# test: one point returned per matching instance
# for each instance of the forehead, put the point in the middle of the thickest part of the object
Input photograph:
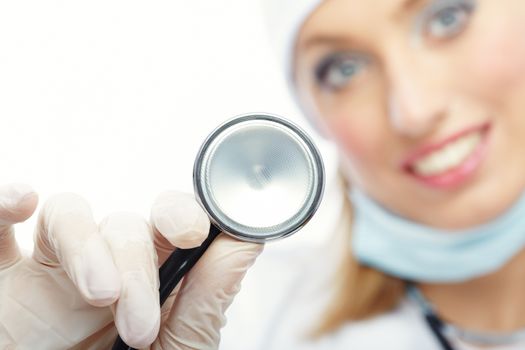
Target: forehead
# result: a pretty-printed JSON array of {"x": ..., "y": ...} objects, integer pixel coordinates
[{"x": 336, "y": 17}]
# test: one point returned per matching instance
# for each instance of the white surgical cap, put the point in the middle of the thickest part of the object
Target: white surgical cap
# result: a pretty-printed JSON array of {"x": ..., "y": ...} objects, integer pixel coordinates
[{"x": 284, "y": 20}]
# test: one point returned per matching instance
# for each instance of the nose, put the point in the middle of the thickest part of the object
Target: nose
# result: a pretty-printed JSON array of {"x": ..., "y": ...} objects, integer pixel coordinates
[{"x": 416, "y": 104}]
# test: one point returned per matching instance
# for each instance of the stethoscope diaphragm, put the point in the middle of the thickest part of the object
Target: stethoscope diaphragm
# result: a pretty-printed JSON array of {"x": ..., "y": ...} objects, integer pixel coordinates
[{"x": 259, "y": 177}]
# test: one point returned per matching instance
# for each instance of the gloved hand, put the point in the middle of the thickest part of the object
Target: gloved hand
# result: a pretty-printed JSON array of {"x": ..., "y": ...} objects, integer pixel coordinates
[{"x": 84, "y": 278}]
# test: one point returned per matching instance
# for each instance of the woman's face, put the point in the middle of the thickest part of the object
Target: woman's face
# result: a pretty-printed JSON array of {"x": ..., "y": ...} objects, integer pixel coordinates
[{"x": 425, "y": 99}]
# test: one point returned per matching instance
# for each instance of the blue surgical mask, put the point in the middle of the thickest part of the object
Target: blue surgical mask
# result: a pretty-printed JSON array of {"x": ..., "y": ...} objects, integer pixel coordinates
[{"x": 413, "y": 251}]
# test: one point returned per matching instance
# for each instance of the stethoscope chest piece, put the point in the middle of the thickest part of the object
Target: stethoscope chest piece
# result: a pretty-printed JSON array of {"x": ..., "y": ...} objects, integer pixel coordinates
[{"x": 259, "y": 177}]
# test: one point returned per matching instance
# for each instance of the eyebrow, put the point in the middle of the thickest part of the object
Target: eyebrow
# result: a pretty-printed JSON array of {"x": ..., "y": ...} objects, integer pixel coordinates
[
  {"x": 406, "y": 6},
  {"x": 324, "y": 39},
  {"x": 408, "y": 3}
]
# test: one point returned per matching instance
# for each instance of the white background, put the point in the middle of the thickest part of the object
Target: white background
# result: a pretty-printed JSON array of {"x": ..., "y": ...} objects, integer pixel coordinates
[{"x": 111, "y": 99}]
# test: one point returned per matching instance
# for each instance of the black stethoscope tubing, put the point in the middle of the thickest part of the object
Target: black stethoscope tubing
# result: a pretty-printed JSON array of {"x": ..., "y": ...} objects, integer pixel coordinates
[{"x": 436, "y": 326}]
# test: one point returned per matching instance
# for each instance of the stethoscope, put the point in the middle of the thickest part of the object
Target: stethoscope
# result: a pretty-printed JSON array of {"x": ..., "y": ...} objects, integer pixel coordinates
[
  {"x": 439, "y": 328},
  {"x": 259, "y": 177},
  {"x": 436, "y": 325},
  {"x": 432, "y": 320}
]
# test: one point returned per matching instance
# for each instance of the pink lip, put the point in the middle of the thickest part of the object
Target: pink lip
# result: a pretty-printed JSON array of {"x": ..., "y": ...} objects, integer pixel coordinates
[{"x": 457, "y": 175}]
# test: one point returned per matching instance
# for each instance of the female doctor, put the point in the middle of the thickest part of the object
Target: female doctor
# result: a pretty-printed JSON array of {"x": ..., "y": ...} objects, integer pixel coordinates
[{"x": 424, "y": 100}]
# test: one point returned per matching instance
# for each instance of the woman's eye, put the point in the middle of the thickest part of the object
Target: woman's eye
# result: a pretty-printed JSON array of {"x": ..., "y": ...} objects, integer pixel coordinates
[
  {"x": 448, "y": 20},
  {"x": 337, "y": 71}
]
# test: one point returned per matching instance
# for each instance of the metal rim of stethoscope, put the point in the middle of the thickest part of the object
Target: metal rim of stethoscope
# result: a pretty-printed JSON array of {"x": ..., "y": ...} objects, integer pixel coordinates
[{"x": 313, "y": 153}]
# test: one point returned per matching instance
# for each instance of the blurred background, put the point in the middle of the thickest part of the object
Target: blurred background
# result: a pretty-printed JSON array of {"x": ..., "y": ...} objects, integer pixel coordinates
[{"x": 112, "y": 99}]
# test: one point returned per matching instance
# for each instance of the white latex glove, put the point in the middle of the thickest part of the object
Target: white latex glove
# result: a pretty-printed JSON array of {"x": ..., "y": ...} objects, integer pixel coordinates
[{"x": 84, "y": 278}]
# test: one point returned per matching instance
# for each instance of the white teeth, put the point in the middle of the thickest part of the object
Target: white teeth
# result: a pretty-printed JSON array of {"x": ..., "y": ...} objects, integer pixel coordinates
[{"x": 448, "y": 157}]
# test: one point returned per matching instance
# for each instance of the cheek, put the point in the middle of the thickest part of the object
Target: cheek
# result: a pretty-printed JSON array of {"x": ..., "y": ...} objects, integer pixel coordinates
[
  {"x": 498, "y": 56},
  {"x": 361, "y": 142}
]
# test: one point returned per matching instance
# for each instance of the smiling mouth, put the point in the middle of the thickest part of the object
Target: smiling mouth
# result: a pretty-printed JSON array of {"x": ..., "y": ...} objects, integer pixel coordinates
[{"x": 452, "y": 161}]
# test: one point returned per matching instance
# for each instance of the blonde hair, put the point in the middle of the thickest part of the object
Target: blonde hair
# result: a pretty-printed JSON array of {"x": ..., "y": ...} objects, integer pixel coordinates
[{"x": 359, "y": 292}]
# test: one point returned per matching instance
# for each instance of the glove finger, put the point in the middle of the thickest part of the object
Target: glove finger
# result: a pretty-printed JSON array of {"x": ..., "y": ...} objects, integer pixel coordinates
[
  {"x": 208, "y": 289},
  {"x": 67, "y": 236},
  {"x": 168, "y": 303},
  {"x": 177, "y": 221},
  {"x": 17, "y": 203},
  {"x": 137, "y": 312}
]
